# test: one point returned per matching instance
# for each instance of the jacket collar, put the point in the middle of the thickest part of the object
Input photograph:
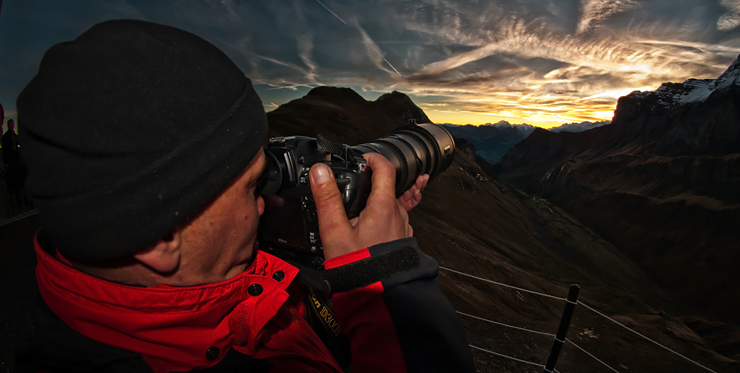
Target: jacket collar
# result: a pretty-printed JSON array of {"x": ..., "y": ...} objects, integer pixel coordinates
[{"x": 172, "y": 327}]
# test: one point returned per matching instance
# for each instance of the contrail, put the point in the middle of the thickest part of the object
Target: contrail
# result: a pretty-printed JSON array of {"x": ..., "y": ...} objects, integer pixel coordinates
[
  {"x": 327, "y": 8},
  {"x": 340, "y": 18},
  {"x": 394, "y": 69}
]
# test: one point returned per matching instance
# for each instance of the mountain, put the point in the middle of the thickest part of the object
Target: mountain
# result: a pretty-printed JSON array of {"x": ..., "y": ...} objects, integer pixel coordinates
[
  {"x": 471, "y": 222},
  {"x": 492, "y": 141},
  {"x": 340, "y": 114},
  {"x": 662, "y": 183},
  {"x": 578, "y": 127}
]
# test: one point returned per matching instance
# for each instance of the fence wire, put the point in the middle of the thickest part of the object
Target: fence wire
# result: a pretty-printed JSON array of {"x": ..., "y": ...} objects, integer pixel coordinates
[{"x": 553, "y": 335}]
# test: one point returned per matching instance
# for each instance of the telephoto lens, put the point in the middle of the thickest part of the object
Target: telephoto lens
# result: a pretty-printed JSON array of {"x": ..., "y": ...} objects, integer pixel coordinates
[{"x": 414, "y": 150}]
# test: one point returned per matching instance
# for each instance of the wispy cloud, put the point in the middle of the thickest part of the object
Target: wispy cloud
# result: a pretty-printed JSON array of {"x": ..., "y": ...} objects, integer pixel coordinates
[
  {"x": 373, "y": 51},
  {"x": 731, "y": 19},
  {"x": 304, "y": 44},
  {"x": 595, "y": 11},
  {"x": 465, "y": 61}
]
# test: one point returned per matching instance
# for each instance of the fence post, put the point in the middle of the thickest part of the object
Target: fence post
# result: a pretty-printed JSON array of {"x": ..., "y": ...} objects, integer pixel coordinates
[{"x": 570, "y": 305}]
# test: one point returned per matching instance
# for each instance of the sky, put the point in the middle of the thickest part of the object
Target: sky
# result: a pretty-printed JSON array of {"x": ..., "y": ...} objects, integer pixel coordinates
[{"x": 540, "y": 62}]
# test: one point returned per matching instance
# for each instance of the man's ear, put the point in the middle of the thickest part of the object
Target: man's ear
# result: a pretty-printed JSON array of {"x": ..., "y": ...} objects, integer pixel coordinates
[{"x": 164, "y": 256}]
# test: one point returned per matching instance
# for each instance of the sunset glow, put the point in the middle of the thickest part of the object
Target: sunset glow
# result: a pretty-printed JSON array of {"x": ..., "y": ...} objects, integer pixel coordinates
[{"x": 541, "y": 63}]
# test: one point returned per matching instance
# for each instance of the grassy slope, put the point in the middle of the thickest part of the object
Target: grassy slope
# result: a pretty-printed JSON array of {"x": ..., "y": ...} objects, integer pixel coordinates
[{"x": 474, "y": 224}]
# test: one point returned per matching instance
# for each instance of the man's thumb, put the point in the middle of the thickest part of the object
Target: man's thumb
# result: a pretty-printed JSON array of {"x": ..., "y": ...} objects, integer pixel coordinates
[{"x": 328, "y": 201}]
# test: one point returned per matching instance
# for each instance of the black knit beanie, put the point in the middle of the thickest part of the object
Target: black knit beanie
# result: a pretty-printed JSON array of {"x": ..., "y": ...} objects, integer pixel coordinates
[{"x": 130, "y": 130}]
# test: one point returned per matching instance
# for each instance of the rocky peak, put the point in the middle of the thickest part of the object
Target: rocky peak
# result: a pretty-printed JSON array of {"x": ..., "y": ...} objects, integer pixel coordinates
[
  {"x": 696, "y": 117},
  {"x": 402, "y": 105},
  {"x": 335, "y": 94},
  {"x": 395, "y": 95},
  {"x": 691, "y": 91}
]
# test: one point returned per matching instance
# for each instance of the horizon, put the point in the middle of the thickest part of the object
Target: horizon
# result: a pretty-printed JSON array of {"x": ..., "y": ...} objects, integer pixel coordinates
[{"x": 520, "y": 61}]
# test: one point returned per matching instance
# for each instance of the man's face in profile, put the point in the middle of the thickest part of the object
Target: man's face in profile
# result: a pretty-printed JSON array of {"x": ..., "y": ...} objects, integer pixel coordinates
[{"x": 219, "y": 241}]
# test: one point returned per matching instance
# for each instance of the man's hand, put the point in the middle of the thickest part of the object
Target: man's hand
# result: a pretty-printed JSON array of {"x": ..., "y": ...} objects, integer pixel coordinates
[
  {"x": 382, "y": 220},
  {"x": 412, "y": 197}
]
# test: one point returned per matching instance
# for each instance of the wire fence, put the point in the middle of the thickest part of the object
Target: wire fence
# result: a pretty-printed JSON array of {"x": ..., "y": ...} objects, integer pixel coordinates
[{"x": 551, "y": 335}]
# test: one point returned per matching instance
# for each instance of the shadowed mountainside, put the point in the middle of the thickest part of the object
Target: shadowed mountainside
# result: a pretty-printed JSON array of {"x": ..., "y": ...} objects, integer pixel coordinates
[
  {"x": 472, "y": 223},
  {"x": 340, "y": 114},
  {"x": 662, "y": 183},
  {"x": 491, "y": 141}
]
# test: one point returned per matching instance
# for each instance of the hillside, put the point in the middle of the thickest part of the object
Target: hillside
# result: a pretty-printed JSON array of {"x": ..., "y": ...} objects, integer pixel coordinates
[
  {"x": 661, "y": 183},
  {"x": 492, "y": 141},
  {"x": 472, "y": 223}
]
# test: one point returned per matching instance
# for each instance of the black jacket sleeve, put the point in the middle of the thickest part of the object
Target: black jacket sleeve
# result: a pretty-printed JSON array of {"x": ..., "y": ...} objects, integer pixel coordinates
[{"x": 390, "y": 305}]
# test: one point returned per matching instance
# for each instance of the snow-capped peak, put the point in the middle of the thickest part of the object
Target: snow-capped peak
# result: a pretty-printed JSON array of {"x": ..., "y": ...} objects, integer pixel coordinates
[
  {"x": 699, "y": 90},
  {"x": 694, "y": 90}
]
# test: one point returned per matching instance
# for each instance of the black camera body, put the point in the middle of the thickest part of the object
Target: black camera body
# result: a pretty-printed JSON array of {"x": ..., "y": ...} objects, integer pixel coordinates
[
  {"x": 290, "y": 219},
  {"x": 289, "y": 223}
]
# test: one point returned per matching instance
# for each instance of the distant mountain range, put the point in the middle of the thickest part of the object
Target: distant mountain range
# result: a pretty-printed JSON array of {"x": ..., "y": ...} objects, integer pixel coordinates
[
  {"x": 492, "y": 141},
  {"x": 473, "y": 222},
  {"x": 578, "y": 127}
]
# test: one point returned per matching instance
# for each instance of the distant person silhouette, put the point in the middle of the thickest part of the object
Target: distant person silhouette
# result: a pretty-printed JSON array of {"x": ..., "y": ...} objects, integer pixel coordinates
[
  {"x": 15, "y": 172},
  {"x": 10, "y": 145},
  {"x": 15, "y": 169}
]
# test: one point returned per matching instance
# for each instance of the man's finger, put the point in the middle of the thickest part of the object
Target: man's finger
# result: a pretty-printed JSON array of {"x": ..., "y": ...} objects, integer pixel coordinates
[
  {"x": 329, "y": 207},
  {"x": 384, "y": 175}
]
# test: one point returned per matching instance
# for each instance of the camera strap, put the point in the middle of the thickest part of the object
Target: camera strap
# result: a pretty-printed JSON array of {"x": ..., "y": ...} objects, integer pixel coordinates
[
  {"x": 343, "y": 151},
  {"x": 320, "y": 315}
]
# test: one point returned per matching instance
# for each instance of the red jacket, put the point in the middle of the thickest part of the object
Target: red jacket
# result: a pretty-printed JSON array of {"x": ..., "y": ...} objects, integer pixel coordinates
[{"x": 386, "y": 298}]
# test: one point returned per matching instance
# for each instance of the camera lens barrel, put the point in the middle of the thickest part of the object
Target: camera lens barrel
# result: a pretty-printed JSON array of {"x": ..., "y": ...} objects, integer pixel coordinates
[{"x": 414, "y": 150}]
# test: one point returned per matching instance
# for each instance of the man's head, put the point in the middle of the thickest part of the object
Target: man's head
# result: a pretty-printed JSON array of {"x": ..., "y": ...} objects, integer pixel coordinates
[
  {"x": 11, "y": 125},
  {"x": 106, "y": 188}
]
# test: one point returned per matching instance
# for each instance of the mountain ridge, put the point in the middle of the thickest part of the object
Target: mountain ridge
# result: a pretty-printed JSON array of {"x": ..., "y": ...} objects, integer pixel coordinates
[
  {"x": 660, "y": 182},
  {"x": 492, "y": 141}
]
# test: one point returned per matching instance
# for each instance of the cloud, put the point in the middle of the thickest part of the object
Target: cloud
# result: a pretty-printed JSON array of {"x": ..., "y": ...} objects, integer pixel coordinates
[
  {"x": 304, "y": 44},
  {"x": 373, "y": 51},
  {"x": 537, "y": 59},
  {"x": 731, "y": 19},
  {"x": 586, "y": 63},
  {"x": 279, "y": 80},
  {"x": 595, "y": 11}
]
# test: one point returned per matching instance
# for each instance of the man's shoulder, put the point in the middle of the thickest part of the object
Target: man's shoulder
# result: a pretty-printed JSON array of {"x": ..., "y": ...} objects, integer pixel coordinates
[{"x": 55, "y": 347}]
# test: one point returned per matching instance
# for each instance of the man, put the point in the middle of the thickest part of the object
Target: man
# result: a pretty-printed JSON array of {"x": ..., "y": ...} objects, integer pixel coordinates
[
  {"x": 14, "y": 169},
  {"x": 10, "y": 145},
  {"x": 146, "y": 256}
]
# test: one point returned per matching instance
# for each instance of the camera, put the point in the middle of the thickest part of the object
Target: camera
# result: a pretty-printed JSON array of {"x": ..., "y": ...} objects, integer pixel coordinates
[{"x": 289, "y": 224}]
